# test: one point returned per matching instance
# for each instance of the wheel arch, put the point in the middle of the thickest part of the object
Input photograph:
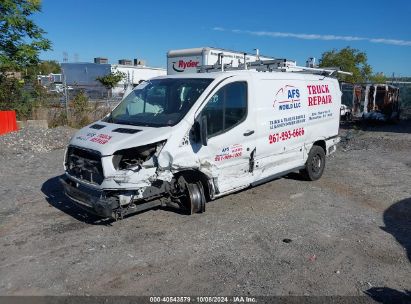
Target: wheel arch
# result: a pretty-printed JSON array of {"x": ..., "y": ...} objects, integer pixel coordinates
[
  {"x": 321, "y": 143},
  {"x": 193, "y": 176}
]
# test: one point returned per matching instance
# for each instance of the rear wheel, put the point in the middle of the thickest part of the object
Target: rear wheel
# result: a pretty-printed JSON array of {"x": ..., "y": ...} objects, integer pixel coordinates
[{"x": 315, "y": 164}]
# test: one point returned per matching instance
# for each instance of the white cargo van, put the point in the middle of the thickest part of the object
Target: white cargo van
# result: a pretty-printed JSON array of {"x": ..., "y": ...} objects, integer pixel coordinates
[
  {"x": 189, "y": 60},
  {"x": 189, "y": 138}
]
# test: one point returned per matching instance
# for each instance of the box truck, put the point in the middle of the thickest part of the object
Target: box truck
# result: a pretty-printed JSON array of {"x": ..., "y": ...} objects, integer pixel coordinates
[
  {"x": 189, "y": 138},
  {"x": 189, "y": 60}
]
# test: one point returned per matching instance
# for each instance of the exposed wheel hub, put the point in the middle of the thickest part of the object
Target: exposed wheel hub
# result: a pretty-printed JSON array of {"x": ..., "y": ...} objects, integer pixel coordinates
[
  {"x": 316, "y": 163},
  {"x": 196, "y": 198}
]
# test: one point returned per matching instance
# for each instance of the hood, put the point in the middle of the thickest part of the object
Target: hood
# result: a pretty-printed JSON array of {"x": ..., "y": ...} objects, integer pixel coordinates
[{"x": 108, "y": 138}]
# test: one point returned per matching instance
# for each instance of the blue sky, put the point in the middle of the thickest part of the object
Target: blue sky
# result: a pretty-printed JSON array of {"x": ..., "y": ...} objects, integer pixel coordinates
[{"x": 283, "y": 29}]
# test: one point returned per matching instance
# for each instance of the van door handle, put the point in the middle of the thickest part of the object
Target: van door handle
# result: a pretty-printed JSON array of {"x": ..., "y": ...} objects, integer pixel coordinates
[{"x": 248, "y": 133}]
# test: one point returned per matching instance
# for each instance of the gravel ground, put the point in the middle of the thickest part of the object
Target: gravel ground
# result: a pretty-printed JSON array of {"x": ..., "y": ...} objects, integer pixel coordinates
[
  {"x": 29, "y": 141},
  {"x": 348, "y": 233}
]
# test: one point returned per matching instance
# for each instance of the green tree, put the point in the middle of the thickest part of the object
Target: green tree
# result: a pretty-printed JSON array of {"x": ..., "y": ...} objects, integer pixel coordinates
[
  {"x": 80, "y": 102},
  {"x": 109, "y": 81},
  {"x": 378, "y": 78},
  {"x": 42, "y": 68},
  {"x": 80, "y": 107},
  {"x": 21, "y": 40},
  {"x": 49, "y": 66},
  {"x": 10, "y": 91},
  {"x": 349, "y": 60}
]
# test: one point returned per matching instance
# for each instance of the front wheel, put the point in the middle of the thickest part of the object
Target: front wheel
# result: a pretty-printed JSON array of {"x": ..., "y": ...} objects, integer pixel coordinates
[
  {"x": 315, "y": 164},
  {"x": 195, "y": 200}
]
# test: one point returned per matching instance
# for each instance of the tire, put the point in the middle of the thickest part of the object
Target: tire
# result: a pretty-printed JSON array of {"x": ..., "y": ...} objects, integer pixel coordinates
[{"x": 315, "y": 164}]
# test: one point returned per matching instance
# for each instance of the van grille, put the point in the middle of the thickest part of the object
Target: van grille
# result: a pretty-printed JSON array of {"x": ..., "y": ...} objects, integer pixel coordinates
[{"x": 84, "y": 165}]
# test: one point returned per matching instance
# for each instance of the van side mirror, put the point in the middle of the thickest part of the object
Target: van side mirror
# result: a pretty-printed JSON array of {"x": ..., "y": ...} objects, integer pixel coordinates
[
  {"x": 200, "y": 130},
  {"x": 203, "y": 129}
]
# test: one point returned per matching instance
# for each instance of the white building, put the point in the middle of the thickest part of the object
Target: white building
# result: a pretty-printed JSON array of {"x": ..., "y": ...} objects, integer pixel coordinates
[{"x": 82, "y": 76}]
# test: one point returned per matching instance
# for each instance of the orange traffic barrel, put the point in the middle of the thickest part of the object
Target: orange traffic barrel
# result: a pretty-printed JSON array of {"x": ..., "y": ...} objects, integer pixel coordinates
[{"x": 8, "y": 122}]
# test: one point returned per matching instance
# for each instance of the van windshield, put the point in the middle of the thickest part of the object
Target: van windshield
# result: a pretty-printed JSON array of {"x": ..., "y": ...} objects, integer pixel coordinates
[{"x": 159, "y": 102}]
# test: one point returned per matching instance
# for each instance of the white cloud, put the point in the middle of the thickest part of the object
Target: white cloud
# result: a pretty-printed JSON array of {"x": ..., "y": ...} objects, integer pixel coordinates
[{"x": 316, "y": 36}]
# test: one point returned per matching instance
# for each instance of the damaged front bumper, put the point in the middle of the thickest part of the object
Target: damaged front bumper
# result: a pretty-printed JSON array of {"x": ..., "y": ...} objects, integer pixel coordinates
[
  {"x": 91, "y": 200},
  {"x": 100, "y": 203}
]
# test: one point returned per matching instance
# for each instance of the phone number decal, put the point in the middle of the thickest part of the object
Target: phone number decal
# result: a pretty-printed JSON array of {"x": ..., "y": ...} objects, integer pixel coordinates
[
  {"x": 230, "y": 152},
  {"x": 286, "y": 135}
]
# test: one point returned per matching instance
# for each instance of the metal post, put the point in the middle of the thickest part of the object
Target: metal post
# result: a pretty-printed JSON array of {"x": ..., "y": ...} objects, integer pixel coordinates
[
  {"x": 257, "y": 54},
  {"x": 65, "y": 95}
]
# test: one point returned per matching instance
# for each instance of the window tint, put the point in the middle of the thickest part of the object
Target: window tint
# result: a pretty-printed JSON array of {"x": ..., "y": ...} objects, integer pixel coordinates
[
  {"x": 226, "y": 108},
  {"x": 235, "y": 104}
]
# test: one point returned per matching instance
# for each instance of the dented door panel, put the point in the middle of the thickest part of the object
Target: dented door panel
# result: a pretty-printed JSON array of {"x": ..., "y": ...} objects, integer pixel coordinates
[{"x": 231, "y": 144}]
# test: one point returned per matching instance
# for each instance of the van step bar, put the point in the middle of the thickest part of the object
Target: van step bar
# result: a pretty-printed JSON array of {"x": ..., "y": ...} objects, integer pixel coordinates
[{"x": 274, "y": 176}]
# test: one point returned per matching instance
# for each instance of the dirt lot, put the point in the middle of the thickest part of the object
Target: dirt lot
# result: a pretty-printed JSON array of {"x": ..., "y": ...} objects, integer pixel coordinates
[{"x": 347, "y": 234}]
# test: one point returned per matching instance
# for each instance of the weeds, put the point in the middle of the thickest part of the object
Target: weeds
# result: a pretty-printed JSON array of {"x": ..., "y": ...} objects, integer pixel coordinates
[{"x": 79, "y": 108}]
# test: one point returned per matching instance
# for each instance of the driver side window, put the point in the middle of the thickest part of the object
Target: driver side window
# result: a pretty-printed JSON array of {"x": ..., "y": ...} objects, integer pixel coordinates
[{"x": 226, "y": 108}]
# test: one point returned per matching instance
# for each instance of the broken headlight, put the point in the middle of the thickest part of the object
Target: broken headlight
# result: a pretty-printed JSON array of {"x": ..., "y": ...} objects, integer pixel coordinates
[{"x": 136, "y": 156}]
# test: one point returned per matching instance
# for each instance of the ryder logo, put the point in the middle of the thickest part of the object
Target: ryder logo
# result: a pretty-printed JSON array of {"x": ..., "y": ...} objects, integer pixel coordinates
[
  {"x": 288, "y": 97},
  {"x": 181, "y": 65}
]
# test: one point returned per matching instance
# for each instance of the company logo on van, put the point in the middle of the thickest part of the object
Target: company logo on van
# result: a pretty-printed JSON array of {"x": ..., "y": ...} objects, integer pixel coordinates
[
  {"x": 230, "y": 152},
  {"x": 319, "y": 95},
  {"x": 182, "y": 65},
  {"x": 86, "y": 137},
  {"x": 288, "y": 97},
  {"x": 101, "y": 139}
]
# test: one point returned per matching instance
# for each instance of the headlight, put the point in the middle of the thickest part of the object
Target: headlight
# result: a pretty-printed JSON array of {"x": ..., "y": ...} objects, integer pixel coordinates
[{"x": 134, "y": 157}]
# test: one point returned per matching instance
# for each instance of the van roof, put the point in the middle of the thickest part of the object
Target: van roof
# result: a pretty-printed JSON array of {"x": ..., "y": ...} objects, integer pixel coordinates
[{"x": 224, "y": 74}]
